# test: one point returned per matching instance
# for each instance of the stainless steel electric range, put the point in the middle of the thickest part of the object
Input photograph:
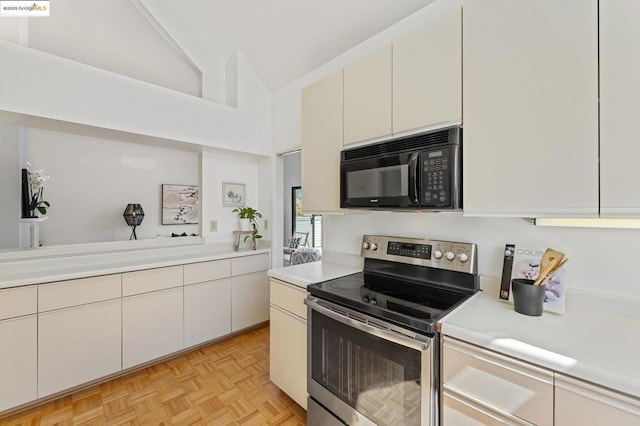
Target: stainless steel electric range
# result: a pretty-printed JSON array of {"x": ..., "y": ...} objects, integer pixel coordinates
[{"x": 373, "y": 349}]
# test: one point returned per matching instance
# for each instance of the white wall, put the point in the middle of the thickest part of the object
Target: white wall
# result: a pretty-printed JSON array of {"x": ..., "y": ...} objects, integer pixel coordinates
[
  {"x": 10, "y": 184},
  {"x": 113, "y": 36},
  {"x": 219, "y": 167},
  {"x": 601, "y": 260},
  {"x": 92, "y": 181}
]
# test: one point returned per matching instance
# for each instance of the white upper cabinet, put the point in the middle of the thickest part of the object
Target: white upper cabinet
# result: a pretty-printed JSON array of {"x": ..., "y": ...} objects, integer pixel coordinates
[
  {"x": 427, "y": 75},
  {"x": 530, "y": 108},
  {"x": 367, "y": 97},
  {"x": 619, "y": 108},
  {"x": 321, "y": 144}
]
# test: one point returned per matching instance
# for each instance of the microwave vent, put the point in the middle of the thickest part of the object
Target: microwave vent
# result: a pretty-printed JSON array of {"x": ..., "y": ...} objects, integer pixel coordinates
[{"x": 411, "y": 143}]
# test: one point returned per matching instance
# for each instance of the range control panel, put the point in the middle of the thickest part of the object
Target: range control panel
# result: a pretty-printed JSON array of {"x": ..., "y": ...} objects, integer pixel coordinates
[{"x": 448, "y": 255}]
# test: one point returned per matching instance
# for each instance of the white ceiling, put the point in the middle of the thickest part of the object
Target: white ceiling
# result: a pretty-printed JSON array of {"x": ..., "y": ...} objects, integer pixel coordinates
[{"x": 285, "y": 39}]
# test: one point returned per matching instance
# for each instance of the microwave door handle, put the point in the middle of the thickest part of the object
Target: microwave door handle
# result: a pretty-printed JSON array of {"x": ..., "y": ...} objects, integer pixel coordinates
[{"x": 413, "y": 178}]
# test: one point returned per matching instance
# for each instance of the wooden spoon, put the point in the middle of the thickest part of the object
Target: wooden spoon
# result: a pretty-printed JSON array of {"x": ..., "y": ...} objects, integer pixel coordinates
[
  {"x": 552, "y": 272},
  {"x": 550, "y": 259}
]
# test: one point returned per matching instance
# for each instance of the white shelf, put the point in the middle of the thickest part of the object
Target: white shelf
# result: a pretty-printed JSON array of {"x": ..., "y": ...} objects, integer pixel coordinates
[{"x": 33, "y": 219}]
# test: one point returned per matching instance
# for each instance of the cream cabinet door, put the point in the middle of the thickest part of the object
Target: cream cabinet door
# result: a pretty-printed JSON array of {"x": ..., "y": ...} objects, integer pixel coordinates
[
  {"x": 427, "y": 75},
  {"x": 249, "y": 300},
  {"x": 498, "y": 383},
  {"x": 581, "y": 403},
  {"x": 530, "y": 108},
  {"x": 288, "y": 354},
  {"x": 207, "y": 311},
  {"x": 77, "y": 345},
  {"x": 367, "y": 97},
  {"x": 18, "y": 361},
  {"x": 152, "y": 326},
  {"x": 322, "y": 118},
  {"x": 619, "y": 108}
]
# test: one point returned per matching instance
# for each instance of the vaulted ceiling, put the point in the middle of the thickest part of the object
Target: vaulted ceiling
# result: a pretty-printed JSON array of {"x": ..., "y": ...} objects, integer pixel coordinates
[{"x": 285, "y": 39}]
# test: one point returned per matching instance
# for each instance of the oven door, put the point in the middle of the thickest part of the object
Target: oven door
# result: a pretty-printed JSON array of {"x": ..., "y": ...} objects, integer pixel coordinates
[
  {"x": 386, "y": 181},
  {"x": 365, "y": 371}
]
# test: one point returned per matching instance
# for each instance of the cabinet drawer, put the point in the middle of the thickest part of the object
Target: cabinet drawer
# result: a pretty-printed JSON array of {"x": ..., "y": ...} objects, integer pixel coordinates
[
  {"x": 289, "y": 297},
  {"x": 151, "y": 280},
  {"x": 64, "y": 294},
  {"x": 459, "y": 411},
  {"x": 249, "y": 264},
  {"x": 206, "y": 271},
  {"x": 19, "y": 301},
  {"x": 498, "y": 382},
  {"x": 581, "y": 403}
]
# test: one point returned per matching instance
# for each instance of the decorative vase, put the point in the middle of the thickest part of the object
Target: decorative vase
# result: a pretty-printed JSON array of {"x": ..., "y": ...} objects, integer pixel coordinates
[{"x": 245, "y": 224}]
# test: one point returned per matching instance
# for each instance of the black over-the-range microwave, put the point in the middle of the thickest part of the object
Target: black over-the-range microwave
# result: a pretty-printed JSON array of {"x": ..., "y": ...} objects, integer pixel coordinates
[{"x": 421, "y": 171}]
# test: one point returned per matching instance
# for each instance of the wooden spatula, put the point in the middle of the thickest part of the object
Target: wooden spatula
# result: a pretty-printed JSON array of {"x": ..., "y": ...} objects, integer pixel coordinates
[
  {"x": 552, "y": 272},
  {"x": 550, "y": 259}
]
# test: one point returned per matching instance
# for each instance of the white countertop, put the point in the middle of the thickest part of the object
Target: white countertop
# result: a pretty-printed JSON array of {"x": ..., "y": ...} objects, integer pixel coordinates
[
  {"x": 27, "y": 272},
  {"x": 308, "y": 273},
  {"x": 587, "y": 343}
]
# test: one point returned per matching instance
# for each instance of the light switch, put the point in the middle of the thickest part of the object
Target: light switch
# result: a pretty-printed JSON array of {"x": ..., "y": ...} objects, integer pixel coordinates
[
  {"x": 213, "y": 226},
  {"x": 266, "y": 224}
]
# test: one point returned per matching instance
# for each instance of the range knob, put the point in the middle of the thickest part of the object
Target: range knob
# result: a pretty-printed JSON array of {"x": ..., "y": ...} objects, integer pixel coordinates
[
  {"x": 373, "y": 301},
  {"x": 463, "y": 257},
  {"x": 450, "y": 255},
  {"x": 373, "y": 246},
  {"x": 437, "y": 254},
  {"x": 365, "y": 299},
  {"x": 365, "y": 245}
]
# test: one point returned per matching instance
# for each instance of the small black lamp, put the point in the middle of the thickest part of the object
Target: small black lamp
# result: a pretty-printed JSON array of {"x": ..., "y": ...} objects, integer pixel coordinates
[{"x": 133, "y": 215}]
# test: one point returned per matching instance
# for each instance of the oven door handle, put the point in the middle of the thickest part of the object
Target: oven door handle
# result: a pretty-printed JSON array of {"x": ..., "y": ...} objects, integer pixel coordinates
[{"x": 368, "y": 328}]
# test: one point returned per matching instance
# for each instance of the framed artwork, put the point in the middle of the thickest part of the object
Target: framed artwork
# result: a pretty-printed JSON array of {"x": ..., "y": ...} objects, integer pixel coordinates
[
  {"x": 180, "y": 204},
  {"x": 233, "y": 194}
]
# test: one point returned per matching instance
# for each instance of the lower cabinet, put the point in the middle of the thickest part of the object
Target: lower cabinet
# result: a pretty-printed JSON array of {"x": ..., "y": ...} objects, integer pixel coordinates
[
  {"x": 249, "y": 300},
  {"x": 152, "y": 326},
  {"x": 483, "y": 387},
  {"x": 498, "y": 386},
  {"x": 18, "y": 361},
  {"x": 77, "y": 345},
  {"x": 288, "y": 340},
  {"x": 581, "y": 403},
  {"x": 207, "y": 311}
]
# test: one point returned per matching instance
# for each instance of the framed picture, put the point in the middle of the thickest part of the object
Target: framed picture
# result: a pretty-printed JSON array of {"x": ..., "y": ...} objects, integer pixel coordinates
[
  {"x": 233, "y": 194},
  {"x": 180, "y": 204}
]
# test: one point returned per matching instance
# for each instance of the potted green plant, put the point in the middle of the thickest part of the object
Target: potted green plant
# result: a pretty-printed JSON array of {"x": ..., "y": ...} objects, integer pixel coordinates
[{"x": 249, "y": 215}]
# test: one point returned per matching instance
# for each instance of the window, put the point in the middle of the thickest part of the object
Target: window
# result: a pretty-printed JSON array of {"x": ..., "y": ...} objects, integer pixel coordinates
[{"x": 310, "y": 223}]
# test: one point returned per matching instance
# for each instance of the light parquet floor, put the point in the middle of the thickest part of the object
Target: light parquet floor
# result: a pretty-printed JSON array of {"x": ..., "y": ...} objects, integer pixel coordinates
[{"x": 224, "y": 383}]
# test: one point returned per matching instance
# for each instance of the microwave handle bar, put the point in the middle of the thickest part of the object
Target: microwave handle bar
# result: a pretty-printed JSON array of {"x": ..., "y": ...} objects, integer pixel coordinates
[{"x": 413, "y": 178}]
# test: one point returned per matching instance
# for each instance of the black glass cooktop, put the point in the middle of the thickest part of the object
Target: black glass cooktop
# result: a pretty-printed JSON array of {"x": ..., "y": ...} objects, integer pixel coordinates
[{"x": 415, "y": 298}]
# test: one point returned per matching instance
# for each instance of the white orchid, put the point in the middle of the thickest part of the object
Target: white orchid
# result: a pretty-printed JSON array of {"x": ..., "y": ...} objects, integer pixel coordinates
[{"x": 37, "y": 179}]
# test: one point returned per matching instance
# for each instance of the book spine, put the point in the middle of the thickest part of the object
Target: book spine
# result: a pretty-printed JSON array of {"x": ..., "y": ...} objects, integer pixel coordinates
[{"x": 507, "y": 266}]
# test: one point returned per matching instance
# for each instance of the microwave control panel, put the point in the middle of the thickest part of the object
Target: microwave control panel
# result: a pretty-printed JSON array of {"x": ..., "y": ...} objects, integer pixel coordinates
[{"x": 438, "y": 166}]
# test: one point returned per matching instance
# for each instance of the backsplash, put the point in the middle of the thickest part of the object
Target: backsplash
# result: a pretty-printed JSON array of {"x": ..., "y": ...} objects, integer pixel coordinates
[{"x": 602, "y": 260}]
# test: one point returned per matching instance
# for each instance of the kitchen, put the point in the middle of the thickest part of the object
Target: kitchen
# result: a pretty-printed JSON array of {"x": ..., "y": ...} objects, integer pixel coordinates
[{"x": 589, "y": 249}]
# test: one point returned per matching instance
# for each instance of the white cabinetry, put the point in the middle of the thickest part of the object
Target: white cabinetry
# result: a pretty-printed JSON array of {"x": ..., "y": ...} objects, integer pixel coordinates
[
  {"x": 322, "y": 118},
  {"x": 249, "y": 291},
  {"x": 480, "y": 384},
  {"x": 427, "y": 75},
  {"x": 207, "y": 301},
  {"x": 79, "y": 332},
  {"x": 530, "y": 107},
  {"x": 77, "y": 345},
  {"x": 152, "y": 315},
  {"x": 619, "y": 108},
  {"x": 288, "y": 340},
  {"x": 367, "y": 97},
  {"x": 581, "y": 403},
  {"x": 19, "y": 339}
]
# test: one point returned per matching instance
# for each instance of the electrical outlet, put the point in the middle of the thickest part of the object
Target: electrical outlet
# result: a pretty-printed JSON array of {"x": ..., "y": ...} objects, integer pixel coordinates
[
  {"x": 213, "y": 226},
  {"x": 266, "y": 224}
]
